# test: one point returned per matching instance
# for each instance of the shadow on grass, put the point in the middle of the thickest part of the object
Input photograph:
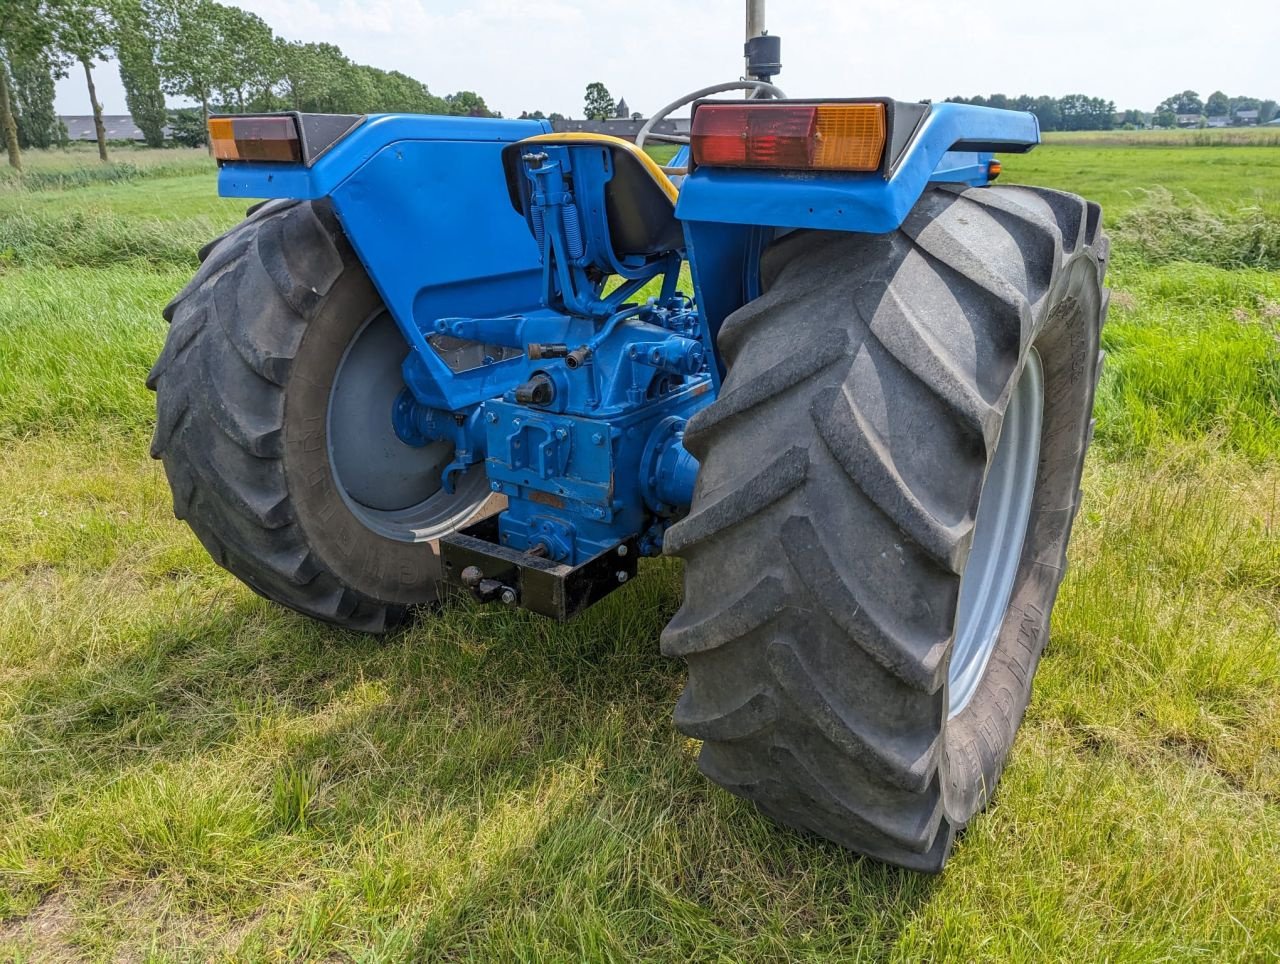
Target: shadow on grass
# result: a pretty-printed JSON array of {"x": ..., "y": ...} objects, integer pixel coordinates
[{"x": 482, "y": 776}]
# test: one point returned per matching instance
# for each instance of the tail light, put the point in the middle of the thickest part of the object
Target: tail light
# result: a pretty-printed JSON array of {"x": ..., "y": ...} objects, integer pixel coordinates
[
  {"x": 796, "y": 137},
  {"x": 256, "y": 138}
]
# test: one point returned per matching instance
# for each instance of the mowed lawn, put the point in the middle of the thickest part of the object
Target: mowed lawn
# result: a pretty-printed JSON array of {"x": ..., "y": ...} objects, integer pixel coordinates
[{"x": 188, "y": 772}]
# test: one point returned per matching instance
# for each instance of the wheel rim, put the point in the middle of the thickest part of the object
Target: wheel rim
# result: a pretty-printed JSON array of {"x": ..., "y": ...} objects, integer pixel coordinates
[
  {"x": 998, "y": 535},
  {"x": 392, "y": 488}
]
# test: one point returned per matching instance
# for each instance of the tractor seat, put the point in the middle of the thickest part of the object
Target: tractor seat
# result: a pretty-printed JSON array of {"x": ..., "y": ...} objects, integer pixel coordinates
[{"x": 639, "y": 199}]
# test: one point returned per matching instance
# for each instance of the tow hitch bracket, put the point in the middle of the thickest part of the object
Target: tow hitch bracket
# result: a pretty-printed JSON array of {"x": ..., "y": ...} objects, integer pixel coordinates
[{"x": 475, "y": 561}]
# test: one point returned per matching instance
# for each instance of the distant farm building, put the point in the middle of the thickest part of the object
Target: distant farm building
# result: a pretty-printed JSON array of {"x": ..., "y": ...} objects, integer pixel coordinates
[
  {"x": 1247, "y": 118},
  {"x": 120, "y": 127}
]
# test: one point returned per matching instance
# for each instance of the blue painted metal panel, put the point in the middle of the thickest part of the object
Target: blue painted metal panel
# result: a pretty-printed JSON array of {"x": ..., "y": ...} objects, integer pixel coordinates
[
  {"x": 257, "y": 180},
  {"x": 434, "y": 227},
  {"x": 423, "y": 201},
  {"x": 855, "y": 202}
]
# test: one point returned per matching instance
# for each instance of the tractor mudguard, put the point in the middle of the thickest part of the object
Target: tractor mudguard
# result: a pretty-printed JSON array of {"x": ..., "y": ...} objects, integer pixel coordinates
[
  {"x": 731, "y": 215},
  {"x": 940, "y": 143},
  {"x": 421, "y": 200}
]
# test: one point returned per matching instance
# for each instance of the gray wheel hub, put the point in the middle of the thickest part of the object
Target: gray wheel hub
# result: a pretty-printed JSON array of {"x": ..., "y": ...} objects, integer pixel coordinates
[
  {"x": 393, "y": 488},
  {"x": 999, "y": 532}
]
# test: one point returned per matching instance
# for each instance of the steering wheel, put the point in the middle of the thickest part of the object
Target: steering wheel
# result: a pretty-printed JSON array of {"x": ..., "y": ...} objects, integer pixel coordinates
[{"x": 759, "y": 88}]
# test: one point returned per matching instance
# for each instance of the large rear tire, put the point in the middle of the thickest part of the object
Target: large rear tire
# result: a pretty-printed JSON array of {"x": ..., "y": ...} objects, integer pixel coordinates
[
  {"x": 274, "y": 395},
  {"x": 860, "y": 637}
]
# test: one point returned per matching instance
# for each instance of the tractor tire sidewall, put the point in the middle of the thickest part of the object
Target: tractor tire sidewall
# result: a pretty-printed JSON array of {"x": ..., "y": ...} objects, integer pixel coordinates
[
  {"x": 243, "y": 388},
  {"x": 978, "y": 738},
  {"x": 390, "y": 570},
  {"x": 842, "y": 470}
]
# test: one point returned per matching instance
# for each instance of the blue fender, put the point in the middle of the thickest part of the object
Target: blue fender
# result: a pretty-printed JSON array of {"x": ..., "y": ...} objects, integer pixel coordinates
[
  {"x": 871, "y": 203},
  {"x": 423, "y": 201}
]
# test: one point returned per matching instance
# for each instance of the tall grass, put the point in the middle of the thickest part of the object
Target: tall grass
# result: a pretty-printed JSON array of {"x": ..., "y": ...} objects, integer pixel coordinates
[
  {"x": 1193, "y": 354},
  {"x": 76, "y": 167},
  {"x": 63, "y": 179},
  {"x": 1216, "y": 137},
  {"x": 76, "y": 345},
  {"x": 1163, "y": 229},
  {"x": 98, "y": 239}
]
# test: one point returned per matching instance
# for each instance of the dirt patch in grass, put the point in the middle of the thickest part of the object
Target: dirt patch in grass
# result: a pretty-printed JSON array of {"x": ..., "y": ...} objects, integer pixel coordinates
[{"x": 44, "y": 933}]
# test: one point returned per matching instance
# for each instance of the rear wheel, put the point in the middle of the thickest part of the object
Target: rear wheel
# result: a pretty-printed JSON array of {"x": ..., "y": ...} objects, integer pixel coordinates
[
  {"x": 274, "y": 396},
  {"x": 887, "y": 487}
]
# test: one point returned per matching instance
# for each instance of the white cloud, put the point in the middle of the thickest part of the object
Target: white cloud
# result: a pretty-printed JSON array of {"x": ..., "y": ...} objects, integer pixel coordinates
[{"x": 540, "y": 54}]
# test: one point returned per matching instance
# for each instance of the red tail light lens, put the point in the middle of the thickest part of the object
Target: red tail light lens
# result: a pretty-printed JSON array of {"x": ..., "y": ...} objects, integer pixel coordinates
[
  {"x": 799, "y": 137},
  {"x": 263, "y": 138}
]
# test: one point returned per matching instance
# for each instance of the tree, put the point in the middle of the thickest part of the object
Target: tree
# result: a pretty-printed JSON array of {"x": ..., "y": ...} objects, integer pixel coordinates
[
  {"x": 1266, "y": 111},
  {"x": 249, "y": 60},
  {"x": 83, "y": 33},
  {"x": 188, "y": 127},
  {"x": 26, "y": 30},
  {"x": 310, "y": 74},
  {"x": 1188, "y": 102},
  {"x": 467, "y": 103},
  {"x": 134, "y": 41},
  {"x": 33, "y": 90},
  {"x": 1133, "y": 119},
  {"x": 1048, "y": 113},
  {"x": 599, "y": 102},
  {"x": 190, "y": 52},
  {"x": 1164, "y": 117},
  {"x": 1218, "y": 105},
  {"x": 535, "y": 115}
]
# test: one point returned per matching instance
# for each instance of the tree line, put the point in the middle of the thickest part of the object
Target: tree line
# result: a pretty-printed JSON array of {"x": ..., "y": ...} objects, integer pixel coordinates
[
  {"x": 221, "y": 57},
  {"x": 1078, "y": 112},
  {"x": 1217, "y": 104}
]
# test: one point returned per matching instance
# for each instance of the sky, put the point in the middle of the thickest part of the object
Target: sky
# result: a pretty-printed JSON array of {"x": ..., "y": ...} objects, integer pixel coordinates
[{"x": 541, "y": 54}]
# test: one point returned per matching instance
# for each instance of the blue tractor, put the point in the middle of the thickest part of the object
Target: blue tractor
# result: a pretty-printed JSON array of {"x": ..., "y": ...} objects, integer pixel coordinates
[{"x": 819, "y": 356}]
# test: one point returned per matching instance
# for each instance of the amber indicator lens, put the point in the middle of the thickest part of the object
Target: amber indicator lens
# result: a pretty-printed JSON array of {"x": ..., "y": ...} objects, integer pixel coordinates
[
  {"x": 797, "y": 137},
  {"x": 273, "y": 138}
]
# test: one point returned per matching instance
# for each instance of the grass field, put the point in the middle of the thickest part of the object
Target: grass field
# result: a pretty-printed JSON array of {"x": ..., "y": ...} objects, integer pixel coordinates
[
  {"x": 187, "y": 772},
  {"x": 1266, "y": 136}
]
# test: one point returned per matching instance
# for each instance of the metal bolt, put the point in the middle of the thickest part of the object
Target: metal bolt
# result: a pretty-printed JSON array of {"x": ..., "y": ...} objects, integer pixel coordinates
[
  {"x": 471, "y": 576},
  {"x": 597, "y": 439},
  {"x": 622, "y": 550},
  {"x": 495, "y": 486},
  {"x": 491, "y": 418},
  {"x": 508, "y": 596},
  {"x": 562, "y": 434},
  {"x": 516, "y": 421},
  {"x": 623, "y": 577}
]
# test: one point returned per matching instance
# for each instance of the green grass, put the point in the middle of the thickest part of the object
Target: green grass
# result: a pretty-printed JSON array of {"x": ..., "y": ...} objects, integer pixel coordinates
[
  {"x": 1120, "y": 178},
  {"x": 1216, "y": 137},
  {"x": 187, "y": 772},
  {"x": 79, "y": 164}
]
